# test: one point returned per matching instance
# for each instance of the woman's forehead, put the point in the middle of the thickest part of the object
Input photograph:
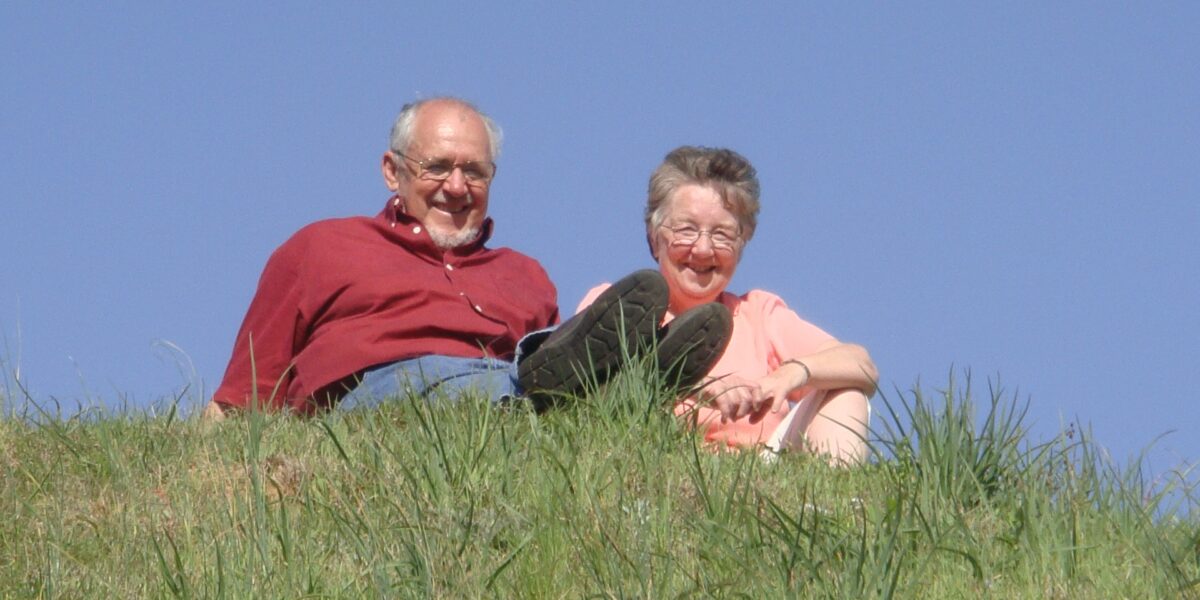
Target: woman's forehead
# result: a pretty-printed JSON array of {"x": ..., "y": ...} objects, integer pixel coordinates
[{"x": 700, "y": 204}]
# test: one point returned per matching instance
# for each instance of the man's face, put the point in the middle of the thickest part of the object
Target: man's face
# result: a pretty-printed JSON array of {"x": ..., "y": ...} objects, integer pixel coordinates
[{"x": 452, "y": 210}]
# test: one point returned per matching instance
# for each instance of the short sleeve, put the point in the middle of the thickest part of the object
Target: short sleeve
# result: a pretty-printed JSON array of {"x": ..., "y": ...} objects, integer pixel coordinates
[{"x": 788, "y": 335}]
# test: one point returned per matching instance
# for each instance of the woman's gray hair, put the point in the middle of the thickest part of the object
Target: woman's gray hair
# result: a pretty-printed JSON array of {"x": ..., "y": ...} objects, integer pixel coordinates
[
  {"x": 725, "y": 171},
  {"x": 402, "y": 129}
]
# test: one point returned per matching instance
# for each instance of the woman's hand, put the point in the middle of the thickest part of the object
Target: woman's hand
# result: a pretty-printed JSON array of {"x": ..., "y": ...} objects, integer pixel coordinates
[
  {"x": 779, "y": 383},
  {"x": 836, "y": 366},
  {"x": 735, "y": 397}
]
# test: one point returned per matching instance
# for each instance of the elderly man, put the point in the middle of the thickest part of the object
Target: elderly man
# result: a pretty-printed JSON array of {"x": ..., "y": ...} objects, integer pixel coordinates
[{"x": 359, "y": 309}]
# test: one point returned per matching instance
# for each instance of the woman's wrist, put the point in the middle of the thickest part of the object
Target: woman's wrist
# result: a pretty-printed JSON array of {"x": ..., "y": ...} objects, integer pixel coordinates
[{"x": 807, "y": 371}]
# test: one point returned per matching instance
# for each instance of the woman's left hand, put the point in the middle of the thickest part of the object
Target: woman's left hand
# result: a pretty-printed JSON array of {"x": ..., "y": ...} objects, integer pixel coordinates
[{"x": 775, "y": 389}]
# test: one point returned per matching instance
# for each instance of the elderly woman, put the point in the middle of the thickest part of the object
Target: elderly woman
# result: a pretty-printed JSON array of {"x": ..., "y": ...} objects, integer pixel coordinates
[{"x": 782, "y": 382}]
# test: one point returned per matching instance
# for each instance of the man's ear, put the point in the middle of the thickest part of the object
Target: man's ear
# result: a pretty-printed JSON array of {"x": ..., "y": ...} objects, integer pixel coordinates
[{"x": 390, "y": 170}]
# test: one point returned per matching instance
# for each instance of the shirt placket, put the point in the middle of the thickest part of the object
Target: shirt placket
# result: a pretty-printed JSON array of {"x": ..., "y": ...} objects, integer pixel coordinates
[{"x": 458, "y": 278}]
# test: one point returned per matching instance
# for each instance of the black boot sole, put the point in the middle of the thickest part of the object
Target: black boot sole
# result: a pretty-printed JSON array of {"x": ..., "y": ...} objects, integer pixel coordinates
[
  {"x": 690, "y": 345},
  {"x": 590, "y": 346}
]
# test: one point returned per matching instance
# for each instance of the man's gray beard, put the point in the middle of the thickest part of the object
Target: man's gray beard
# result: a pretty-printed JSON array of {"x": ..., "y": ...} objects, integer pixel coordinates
[
  {"x": 447, "y": 241},
  {"x": 462, "y": 237}
]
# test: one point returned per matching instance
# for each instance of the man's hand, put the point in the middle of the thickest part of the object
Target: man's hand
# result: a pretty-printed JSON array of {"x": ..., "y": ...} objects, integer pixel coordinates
[{"x": 212, "y": 412}]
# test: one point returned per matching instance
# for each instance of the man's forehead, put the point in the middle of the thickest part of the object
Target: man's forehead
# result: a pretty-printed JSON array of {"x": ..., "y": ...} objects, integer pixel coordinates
[
  {"x": 444, "y": 129},
  {"x": 452, "y": 123}
]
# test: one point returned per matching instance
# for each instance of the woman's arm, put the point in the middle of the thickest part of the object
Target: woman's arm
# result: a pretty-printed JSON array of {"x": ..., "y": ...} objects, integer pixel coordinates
[
  {"x": 846, "y": 377},
  {"x": 834, "y": 366}
]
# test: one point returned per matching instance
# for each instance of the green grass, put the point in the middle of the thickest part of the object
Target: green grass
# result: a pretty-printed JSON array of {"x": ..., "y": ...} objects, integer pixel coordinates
[{"x": 606, "y": 498}]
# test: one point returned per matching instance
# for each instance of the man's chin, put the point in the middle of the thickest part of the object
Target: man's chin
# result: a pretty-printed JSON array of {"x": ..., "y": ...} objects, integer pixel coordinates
[{"x": 452, "y": 238}]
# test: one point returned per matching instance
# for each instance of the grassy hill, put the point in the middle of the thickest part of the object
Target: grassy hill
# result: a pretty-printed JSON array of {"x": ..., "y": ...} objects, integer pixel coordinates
[{"x": 607, "y": 498}]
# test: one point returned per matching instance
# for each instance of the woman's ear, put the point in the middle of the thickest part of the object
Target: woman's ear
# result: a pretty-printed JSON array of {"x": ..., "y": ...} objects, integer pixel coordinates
[{"x": 650, "y": 244}]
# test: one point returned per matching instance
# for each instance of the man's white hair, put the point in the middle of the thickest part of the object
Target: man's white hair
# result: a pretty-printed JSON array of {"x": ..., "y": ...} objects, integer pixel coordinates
[{"x": 402, "y": 129}]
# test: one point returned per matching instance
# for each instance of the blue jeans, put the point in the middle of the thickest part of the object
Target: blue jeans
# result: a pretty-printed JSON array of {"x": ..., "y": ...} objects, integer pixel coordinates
[{"x": 437, "y": 377}]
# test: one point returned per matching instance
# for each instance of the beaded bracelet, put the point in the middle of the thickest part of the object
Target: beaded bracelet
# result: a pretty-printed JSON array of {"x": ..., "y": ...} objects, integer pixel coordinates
[{"x": 807, "y": 372}]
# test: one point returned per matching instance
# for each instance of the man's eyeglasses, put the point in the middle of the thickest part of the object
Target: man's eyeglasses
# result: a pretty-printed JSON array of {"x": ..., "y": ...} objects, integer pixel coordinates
[
  {"x": 439, "y": 169},
  {"x": 688, "y": 235}
]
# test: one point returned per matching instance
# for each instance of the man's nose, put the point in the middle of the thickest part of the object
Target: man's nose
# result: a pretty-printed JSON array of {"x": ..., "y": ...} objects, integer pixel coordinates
[{"x": 456, "y": 183}]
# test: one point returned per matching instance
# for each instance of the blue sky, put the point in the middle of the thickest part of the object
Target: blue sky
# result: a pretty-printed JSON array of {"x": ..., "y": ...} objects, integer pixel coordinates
[{"x": 1009, "y": 190}]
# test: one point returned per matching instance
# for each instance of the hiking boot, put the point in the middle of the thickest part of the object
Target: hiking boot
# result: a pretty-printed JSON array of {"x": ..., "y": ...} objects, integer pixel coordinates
[
  {"x": 591, "y": 346},
  {"x": 691, "y": 344}
]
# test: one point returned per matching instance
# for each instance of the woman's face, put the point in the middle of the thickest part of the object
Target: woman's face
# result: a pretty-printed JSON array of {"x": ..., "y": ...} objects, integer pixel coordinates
[{"x": 697, "y": 247}]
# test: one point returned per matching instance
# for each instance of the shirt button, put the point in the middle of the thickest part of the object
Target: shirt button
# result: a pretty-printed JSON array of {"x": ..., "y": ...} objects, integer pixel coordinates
[
  {"x": 478, "y": 308},
  {"x": 417, "y": 229},
  {"x": 449, "y": 267}
]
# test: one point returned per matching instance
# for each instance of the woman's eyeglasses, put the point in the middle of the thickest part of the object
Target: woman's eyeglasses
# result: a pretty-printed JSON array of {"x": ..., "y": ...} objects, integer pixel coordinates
[{"x": 687, "y": 235}]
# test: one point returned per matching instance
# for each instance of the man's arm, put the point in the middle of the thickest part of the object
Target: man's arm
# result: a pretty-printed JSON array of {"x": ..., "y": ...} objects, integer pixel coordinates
[{"x": 259, "y": 371}]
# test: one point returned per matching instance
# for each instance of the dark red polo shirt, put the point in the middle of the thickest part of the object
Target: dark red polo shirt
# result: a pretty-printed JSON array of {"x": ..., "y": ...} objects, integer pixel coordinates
[{"x": 343, "y": 295}]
